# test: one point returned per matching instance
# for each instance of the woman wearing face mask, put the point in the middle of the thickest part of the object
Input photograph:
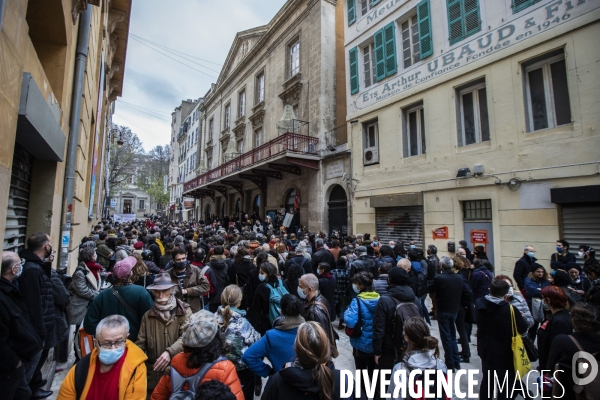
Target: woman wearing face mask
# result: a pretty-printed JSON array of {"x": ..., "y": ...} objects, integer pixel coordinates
[
  {"x": 558, "y": 322},
  {"x": 579, "y": 284},
  {"x": 534, "y": 283},
  {"x": 161, "y": 328},
  {"x": 362, "y": 285},
  {"x": 261, "y": 303}
]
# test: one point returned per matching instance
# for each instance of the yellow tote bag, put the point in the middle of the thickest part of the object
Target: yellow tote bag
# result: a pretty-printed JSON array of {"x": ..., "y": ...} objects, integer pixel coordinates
[{"x": 520, "y": 357}]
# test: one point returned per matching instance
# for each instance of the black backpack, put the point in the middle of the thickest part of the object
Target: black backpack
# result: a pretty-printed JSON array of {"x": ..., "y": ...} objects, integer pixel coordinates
[{"x": 402, "y": 311}]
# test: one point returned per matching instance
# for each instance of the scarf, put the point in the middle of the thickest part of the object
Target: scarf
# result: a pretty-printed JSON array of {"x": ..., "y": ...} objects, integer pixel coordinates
[
  {"x": 237, "y": 310},
  {"x": 286, "y": 323},
  {"x": 493, "y": 299},
  {"x": 160, "y": 246},
  {"x": 94, "y": 267},
  {"x": 164, "y": 310}
]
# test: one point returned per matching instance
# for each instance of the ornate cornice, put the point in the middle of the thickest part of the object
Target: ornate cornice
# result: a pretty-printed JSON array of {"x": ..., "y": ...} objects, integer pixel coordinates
[
  {"x": 291, "y": 90},
  {"x": 257, "y": 118},
  {"x": 80, "y": 6}
]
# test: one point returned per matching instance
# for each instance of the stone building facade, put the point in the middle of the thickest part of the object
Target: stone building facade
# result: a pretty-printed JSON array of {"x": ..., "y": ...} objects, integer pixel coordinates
[
  {"x": 38, "y": 53},
  {"x": 252, "y": 166},
  {"x": 475, "y": 120},
  {"x": 175, "y": 179}
]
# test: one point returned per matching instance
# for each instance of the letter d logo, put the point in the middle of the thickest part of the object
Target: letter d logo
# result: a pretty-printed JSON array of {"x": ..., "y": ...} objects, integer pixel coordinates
[{"x": 587, "y": 369}]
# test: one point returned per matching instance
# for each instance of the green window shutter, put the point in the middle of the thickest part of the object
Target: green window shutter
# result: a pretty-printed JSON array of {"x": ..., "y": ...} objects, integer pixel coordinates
[
  {"x": 353, "y": 70},
  {"x": 424, "y": 21},
  {"x": 375, "y": 2},
  {"x": 379, "y": 55},
  {"x": 472, "y": 22},
  {"x": 519, "y": 5},
  {"x": 351, "y": 12},
  {"x": 455, "y": 21},
  {"x": 391, "y": 66}
]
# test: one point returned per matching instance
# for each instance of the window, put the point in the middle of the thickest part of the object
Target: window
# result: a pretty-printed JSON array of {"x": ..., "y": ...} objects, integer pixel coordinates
[
  {"x": 242, "y": 103},
  {"x": 411, "y": 50},
  {"x": 294, "y": 59},
  {"x": 371, "y": 144},
  {"x": 519, "y": 5},
  {"x": 141, "y": 205},
  {"x": 414, "y": 130},
  {"x": 258, "y": 138},
  {"x": 477, "y": 210},
  {"x": 474, "y": 124},
  {"x": 463, "y": 19},
  {"x": 240, "y": 147},
  {"x": 369, "y": 64},
  {"x": 353, "y": 64},
  {"x": 385, "y": 51},
  {"x": 260, "y": 88},
  {"x": 227, "y": 116},
  {"x": 547, "y": 93},
  {"x": 211, "y": 128},
  {"x": 209, "y": 162},
  {"x": 351, "y": 12}
]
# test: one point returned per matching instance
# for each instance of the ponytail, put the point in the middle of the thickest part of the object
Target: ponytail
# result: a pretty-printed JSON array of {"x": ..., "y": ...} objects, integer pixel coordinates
[
  {"x": 313, "y": 350},
  {"x": 324, "y": 377},
  {"x": 419, "y": 336},
  {"x": 227, "y": 314},
  {"x": 231, "y": 297}
]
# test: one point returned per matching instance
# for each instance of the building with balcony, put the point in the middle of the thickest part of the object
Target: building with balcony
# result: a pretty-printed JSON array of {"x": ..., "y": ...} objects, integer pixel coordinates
[
  {"x": 475, "y": 120},
  {"x": 267, "y": 118}
]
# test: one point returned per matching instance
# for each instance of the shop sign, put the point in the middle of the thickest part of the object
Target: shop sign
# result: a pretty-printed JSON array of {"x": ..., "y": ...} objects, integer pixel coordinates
[
  {"x": 377, "y": 14},
  {"x": 334, "y": 170},
  {"x": 440, "y": 233},
  {"x": 113, "y": 203},
  {"x": 479, "y": 236},
  {"x": 545, "y": 17}
]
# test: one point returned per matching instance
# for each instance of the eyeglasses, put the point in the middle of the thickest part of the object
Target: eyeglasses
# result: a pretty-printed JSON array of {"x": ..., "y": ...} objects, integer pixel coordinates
[
  {"x": 21, "y": 263},
  {"x": 110, "y": 345}
]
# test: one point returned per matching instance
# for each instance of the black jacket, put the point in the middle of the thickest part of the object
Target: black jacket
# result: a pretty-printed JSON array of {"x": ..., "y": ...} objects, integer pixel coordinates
[
  {"x": 363, "y": 263},
  {"x": 296, "y": 383},
  {"x": 559, "y": 323},
  {"x": 315, "y": 312},
  {"x": 448, "y": 288},
  {"x": 321, "y": 255},
  {"x": 18, "y": 341},
  {"x": 61, "y": 301},
  {"x": 558, "y": 261},
  {"x": 260, "y": 306},
  {"x": 240, "y": 274},
  {"x": 522, "y": 268},
  {"x": 494, "y": 335},
  {"x": 220, "y": 268},
  {"x": 434, "y": 266},
  {"x": 383, "y": 321},
  {"x": 36, "y": 288},
  {"x": 300, "y": 261},
  {"x": 327, "y": 285},
  {"x": 155, "y": 249}
]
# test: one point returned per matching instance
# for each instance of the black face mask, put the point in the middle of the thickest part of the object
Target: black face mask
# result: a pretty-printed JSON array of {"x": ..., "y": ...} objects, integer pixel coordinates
[{"x": 180, "y": 265}]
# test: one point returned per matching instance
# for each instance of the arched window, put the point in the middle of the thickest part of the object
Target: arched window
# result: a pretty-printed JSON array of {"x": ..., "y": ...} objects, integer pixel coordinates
[
  {"x": 238, "y": 206},
  {"x": 290, "y": 200},
  {"x": 256, "y": 204}
]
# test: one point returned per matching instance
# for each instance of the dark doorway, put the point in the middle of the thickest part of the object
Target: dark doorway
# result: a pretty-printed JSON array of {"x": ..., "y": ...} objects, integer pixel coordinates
[{"x": 338, "y": 210}]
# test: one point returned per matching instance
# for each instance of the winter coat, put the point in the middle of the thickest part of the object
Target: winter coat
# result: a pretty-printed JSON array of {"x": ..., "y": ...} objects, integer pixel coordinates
[
  {"x": 239, "y": 272},
  {"x": 327, "y": 285},
  {"x": 276, "y": 345},
  {"x": 533, "y": 288},
  {"x": 298, "y": 260},
  {"x": 219, "y": 266},
  {"x": 156, "y": 336},
  {"x": 18, "y": 341},
  {"x": 559, "y": 323},
  {"x": 448, "y": 288},
  {"x": 480, "y": 283},
  {"x": 368, "y": 305},
  {"x": 103, "y": 252},
  {"x": 223, "y": 371},
  {"x": 260, "y": 305},
  {"x": 61, "y": 301},
  {"x": 434, "y": 266},
  {"x": 106, "y": 304},
  {"x": 383, "y": 321},
  {"x": 321, "y": 255},
  {"x": 381, "y": 285},
  {"x": 84, "y": 288},
  {"x": 558, "y": 261},
  {"x": 35, "y": 286},
  {"x": 296, "y": 383},
  {"x": 239, "y": 334},
  {"x": 194, "y": 282},
  {"x": 494, "y": 333},
  {"x": 386, "y": 259},
  {"x": 363, "y": 263},
  {"x": 521, "y": 305},
  {"x": 319, "y": 313},
  {"x": 164, "y": 260},
  {"x": 592, "y": 296},
  {"x": 122, "y": 252},
  {"x": 132, "y": 381},
  {"x": 152, "y": 268},
  {"x": 523, "y": 267},
  {"x": 415, "y": 360},
  {"x": 155, "y": 249}
]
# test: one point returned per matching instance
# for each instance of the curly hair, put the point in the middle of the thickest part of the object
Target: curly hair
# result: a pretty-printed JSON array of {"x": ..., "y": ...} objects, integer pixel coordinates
[
  {"x": 586, "y": 317},
  {"x": 535, "y": 278},
  {"x": 139, "y": 269}
]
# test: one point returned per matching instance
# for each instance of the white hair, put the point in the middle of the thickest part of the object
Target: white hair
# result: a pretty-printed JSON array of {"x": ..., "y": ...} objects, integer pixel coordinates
[
  {"x": 113, "y": 322},
  {"x": 311, "y": 281},
  {"x": 446, "y": 262}
]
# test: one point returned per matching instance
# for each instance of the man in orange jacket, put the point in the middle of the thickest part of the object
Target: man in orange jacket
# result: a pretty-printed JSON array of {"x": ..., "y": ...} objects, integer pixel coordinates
[{"x": 115, "y": 370}]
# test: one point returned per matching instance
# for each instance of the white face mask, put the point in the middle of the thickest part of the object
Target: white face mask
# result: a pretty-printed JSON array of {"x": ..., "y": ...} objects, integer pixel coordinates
[
  {"x": 581, "y": 254},
  {"x": 511, "y": 292}
]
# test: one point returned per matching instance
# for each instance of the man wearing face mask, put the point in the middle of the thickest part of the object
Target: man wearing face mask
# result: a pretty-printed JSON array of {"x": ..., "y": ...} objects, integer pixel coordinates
[
  {"x": 19, "y": 345},
  {"x": 562, "y": 258},
  {"x": 115, "y": 369},
  {"x": 35, "y": 285},
  {"x": 191, "y": 284},
  {"x": 316, "y": 308},
  {"x": 524, "y": 266}
]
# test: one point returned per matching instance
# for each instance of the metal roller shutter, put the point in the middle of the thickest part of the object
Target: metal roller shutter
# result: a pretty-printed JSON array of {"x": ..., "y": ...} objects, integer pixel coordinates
[
  {"x": 18, "y": 201},
  {"x": 400, "y": 223},
  {"x": 581, "y": 225}
]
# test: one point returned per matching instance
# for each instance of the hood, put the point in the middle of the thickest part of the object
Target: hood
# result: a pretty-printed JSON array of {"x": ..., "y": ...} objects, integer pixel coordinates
[
  {"x": 416, "y": 265},
  {"x": 218, "y": 263},
  {"x": 423, "y": 359},
  {"x": 300, "y": 378},
  {"x": 30, "y": 256},
  {"x": 369, "y": 299},
  {"x": 6, "y": 286},
  {"x": 124, "y": 247},
  {"x": 486, "y": 307},
  {"x": 401, "y": 292}
]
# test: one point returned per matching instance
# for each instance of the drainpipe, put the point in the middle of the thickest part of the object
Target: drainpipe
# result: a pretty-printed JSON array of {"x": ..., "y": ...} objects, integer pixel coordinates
[
  {"x": 1, "y": 11},
  {"x": 80, "y": 61}
]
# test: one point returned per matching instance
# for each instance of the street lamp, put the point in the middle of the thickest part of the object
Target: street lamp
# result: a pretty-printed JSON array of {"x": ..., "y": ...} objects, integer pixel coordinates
[{"x": 113, "y": 133}]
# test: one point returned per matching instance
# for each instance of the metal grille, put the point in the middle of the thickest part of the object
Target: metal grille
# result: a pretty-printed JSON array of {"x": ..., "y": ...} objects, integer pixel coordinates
[
  {"x": 400, "y": 223},
  {"x": 477, "y": 210},
  {"x": 580, "y": 226},
  {"x": 18, "y": 201}
]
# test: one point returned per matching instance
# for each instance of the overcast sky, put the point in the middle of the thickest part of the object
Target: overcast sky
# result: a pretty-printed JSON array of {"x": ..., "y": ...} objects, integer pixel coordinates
[{"x": 154, "y": 84}]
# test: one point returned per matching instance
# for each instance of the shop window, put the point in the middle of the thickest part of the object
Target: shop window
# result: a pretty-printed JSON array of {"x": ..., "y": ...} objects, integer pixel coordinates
[
  {"x": 547, "y": 93},
  {"x": 477, "y": 210},
  {"x": 473, "y": 122},
  {"x": 414, "y": 130}
]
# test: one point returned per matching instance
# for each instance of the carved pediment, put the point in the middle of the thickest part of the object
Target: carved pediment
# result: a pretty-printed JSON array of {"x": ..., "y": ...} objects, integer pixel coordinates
[
  {"x": 225, "y": 135},
  {"x": 239, "y": 130},
  {"x": 243, "y": 43},
  {"x": 257, "y": 118},
  {"x": 292, "y": 89}
]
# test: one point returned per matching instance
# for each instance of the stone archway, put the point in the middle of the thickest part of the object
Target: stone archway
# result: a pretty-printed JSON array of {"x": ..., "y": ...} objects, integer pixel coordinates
[{"x": 338, "y": 210}]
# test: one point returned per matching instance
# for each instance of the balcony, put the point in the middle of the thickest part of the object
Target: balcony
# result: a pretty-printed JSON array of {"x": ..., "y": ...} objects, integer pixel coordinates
[{"x": 289, "y": 144}]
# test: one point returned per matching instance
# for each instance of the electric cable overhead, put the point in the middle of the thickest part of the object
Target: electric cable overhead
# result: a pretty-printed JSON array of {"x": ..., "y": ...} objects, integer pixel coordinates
[
  {"x": 147, "y": 113},
  {"x": 145, "y": 108},
  {"x": 176, "y": 51}
]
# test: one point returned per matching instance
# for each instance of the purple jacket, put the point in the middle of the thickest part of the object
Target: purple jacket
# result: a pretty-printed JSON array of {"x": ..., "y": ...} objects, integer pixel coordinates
[{"x": 480, "y": 283}]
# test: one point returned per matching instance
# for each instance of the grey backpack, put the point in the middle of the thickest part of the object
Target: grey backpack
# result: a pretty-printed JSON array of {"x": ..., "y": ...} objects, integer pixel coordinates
[{"x": 193, "y": 381}]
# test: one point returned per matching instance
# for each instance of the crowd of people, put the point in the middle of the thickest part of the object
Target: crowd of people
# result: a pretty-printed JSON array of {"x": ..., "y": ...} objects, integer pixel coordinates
[{"x": 194, "y": 310}]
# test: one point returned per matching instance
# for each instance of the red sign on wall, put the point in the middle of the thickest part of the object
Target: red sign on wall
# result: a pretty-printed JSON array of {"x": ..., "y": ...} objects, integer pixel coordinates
[
  {"x": 440, "y": 233},
  {"x": 479, "y": 236}
]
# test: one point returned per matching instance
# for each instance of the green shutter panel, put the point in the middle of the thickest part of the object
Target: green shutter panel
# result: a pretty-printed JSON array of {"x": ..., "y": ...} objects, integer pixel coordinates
[
  {"x": 519, "y": 5},
  {"x": 424, "y": 21},
  {"x": 472, "y": 23},
  {"x": 379, "y": 55},
  {"x": 455, "y": 20},
  {"x": 375, "y": 2},
  {"x": 351, "y": 12},
  {"x": 389, "y": 32},
  {"x": 353, "y": 70}
]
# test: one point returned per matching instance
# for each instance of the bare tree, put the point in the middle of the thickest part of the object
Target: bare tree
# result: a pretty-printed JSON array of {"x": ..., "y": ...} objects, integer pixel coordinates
[{"x": 124, "y": 158}]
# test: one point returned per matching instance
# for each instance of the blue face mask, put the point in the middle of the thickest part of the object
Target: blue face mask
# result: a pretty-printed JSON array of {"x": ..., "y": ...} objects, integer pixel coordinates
[
  {"x": 301, "y": 293},
  {"x": 110, "y": 357},
  {"x": 355, "y": 288},
  {"x": 262, "y": 277},
  {"x": 531, "y": 254},
  {"x": 412, "y": 246},
  {"x": 559, "y": 249},
  {"x": 392, "y": 246}
]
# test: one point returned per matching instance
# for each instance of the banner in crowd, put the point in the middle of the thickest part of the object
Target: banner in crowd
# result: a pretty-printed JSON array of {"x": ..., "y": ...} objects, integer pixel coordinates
[{"x": 124, "y": 217}]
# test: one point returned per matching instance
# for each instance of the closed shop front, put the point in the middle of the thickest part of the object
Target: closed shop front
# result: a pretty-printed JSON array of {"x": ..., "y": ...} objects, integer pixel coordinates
[
  {"x": 400, "y": 223},
  {"x": 18, "y": 201}
]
